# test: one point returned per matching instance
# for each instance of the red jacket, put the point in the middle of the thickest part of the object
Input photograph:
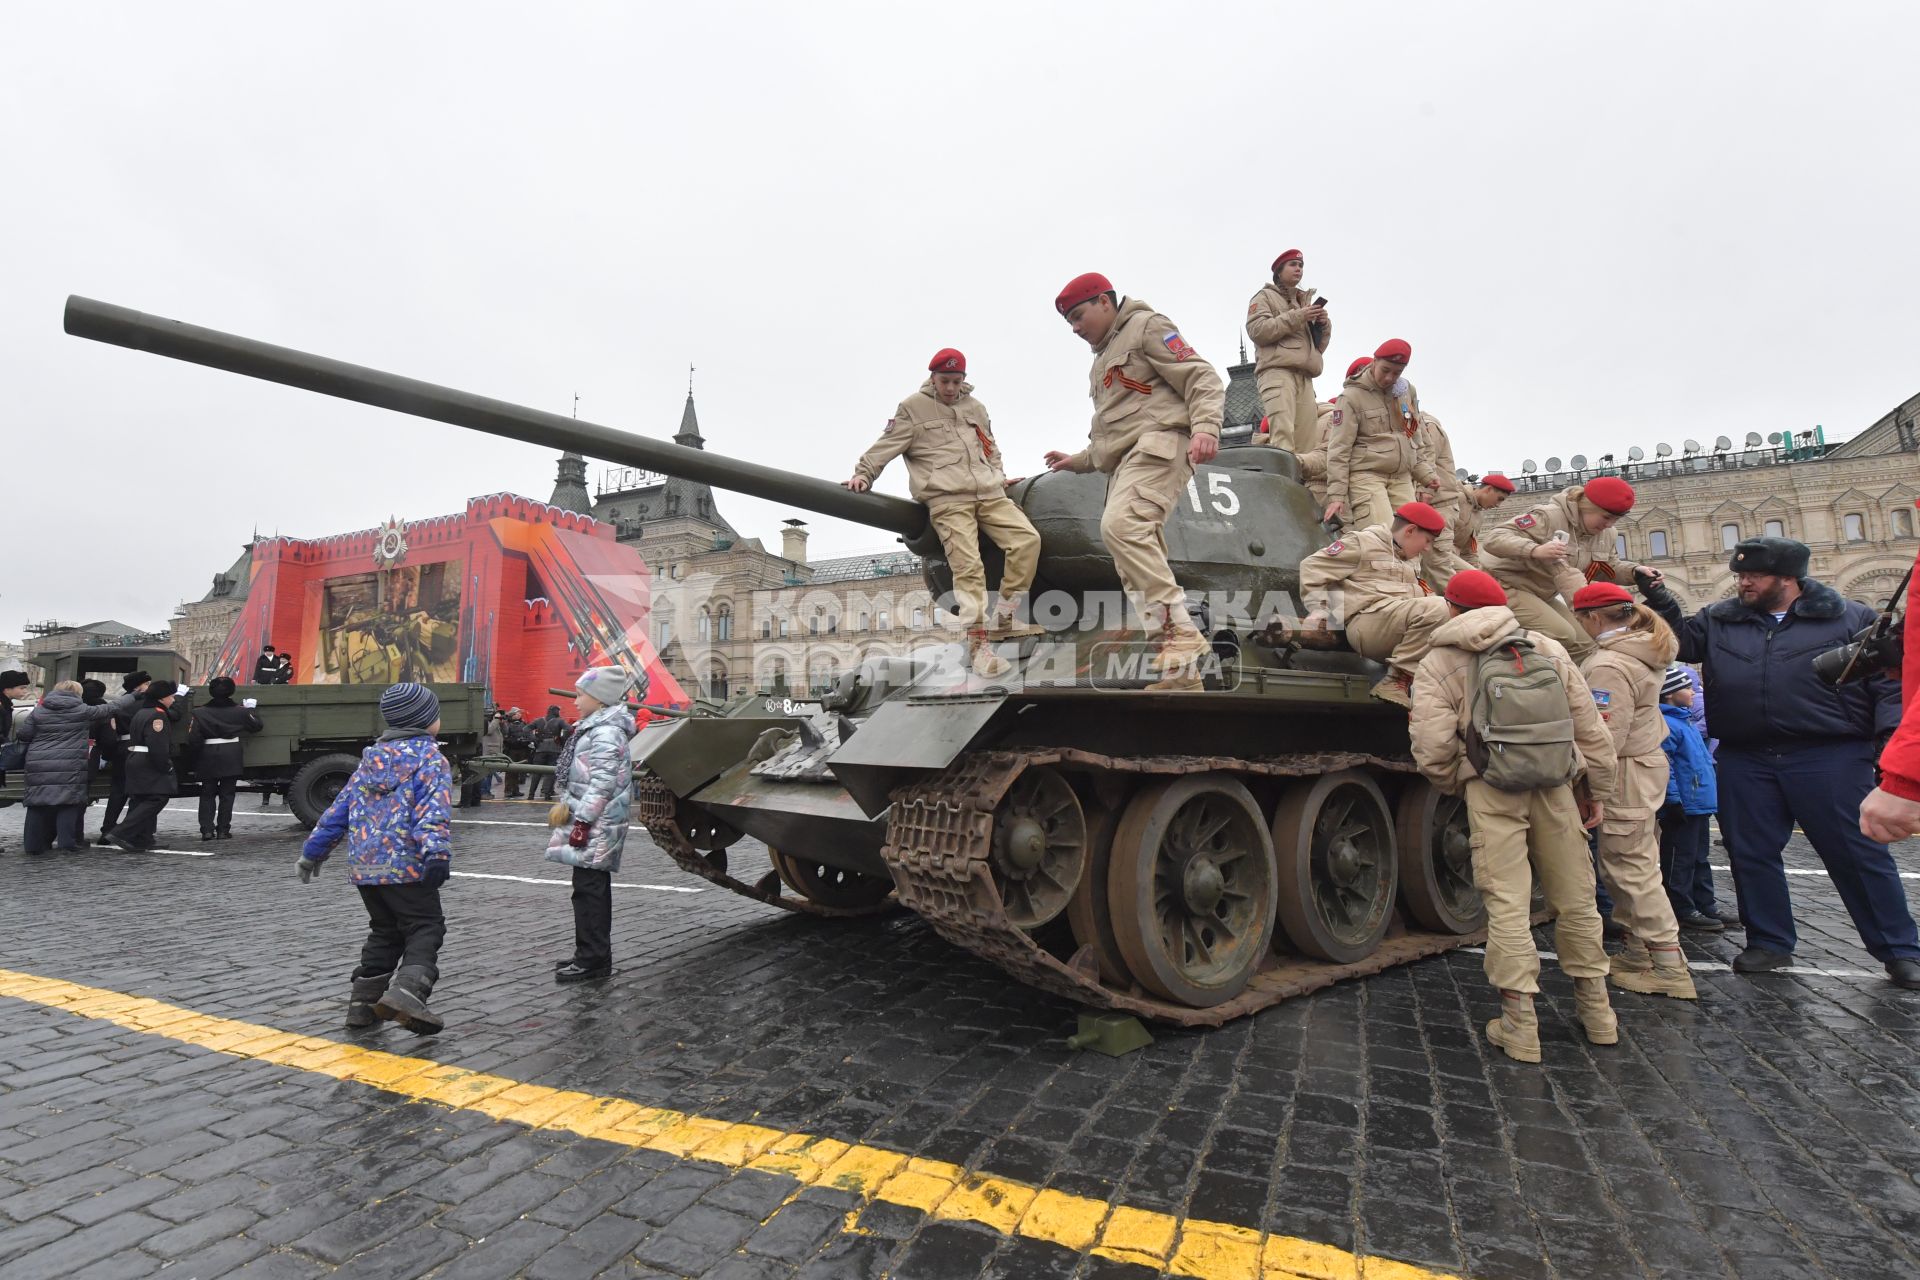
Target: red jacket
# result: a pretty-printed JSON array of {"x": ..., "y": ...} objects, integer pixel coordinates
[{"x": 1900, "y": 762}]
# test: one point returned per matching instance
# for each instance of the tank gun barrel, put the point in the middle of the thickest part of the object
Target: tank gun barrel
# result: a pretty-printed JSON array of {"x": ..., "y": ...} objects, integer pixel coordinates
[{"x": 122, "y": 326}]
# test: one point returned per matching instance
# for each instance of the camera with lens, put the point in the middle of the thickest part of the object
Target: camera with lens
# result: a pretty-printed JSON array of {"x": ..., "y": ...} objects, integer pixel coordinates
[{"x": 1877, "y": 650}]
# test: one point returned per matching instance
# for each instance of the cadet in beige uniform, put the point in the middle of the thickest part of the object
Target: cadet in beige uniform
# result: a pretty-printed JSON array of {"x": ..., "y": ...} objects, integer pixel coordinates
[
  {"x": 1634, "y": 649},
  {"x": 1310, "y": 444},
  {"x": 1290, "y": 332},
  {"x": 1374, "y": 452},
  {"x": 1512, "y": 829},
  {"x": 1447, "y": 497},
  {"x": 1554, "y": 550},
  {"x": 1492, "y": 490},
  {"x": 954, "y": 466},
  {"x": 1367, "y": 579},
  {"x": 1156, "y": 415}
]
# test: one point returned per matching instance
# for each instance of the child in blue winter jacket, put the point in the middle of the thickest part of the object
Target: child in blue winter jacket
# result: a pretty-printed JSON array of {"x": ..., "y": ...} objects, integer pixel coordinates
[
  {"x": 395, "y": 815},
  {"x": 1692, "y": 799}
]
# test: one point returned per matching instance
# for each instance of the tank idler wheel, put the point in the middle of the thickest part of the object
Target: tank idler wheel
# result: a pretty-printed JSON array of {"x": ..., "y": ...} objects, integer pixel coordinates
[
  {"x": 1436, "y": 860},
  {"x": 1087, "y": 913},
  {"x": 830, "y": 886},
  {"x": 1191, "y": 888},
  {"x": 1334, "y": 839},
  {"x": 1039, "y": 847}
]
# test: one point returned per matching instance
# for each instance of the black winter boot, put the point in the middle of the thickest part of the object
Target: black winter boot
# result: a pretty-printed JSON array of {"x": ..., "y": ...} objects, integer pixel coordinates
[
  {"x": 366, "y": 993},
  {"x": 406, "y": 1001}
]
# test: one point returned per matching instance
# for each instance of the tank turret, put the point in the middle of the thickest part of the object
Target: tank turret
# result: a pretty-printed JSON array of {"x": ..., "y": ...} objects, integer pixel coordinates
[{"x": 1190, "y": 856}]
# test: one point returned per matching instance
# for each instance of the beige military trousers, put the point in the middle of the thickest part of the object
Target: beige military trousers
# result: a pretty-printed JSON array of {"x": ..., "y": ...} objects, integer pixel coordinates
[
  {"x": 1007, "y": 527},
  {"x": 1398, "y": 632},
  {"x": 1140, "y": 496},
  {"x": 1372, "y": 497},
  {"x": 1517, "y": 836},
  {"x": 1287, "y": 399},
  {"x": 1552, "y": 618},
  {"x": 1630, "y": 856}
]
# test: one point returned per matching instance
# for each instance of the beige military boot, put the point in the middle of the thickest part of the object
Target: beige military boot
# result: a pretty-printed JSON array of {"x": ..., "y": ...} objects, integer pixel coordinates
[
  {"x": 1667, "y": 976},
  {"x": 1181, "y": 649},
  {"x": 986, "y": 664},
  {"x": 1516, "y": 1030},
  {"x": 1395, "y": 687},
  {"x": 1596, "y": 1011},
  {"x": 1006, "y": 623},
  {"x": 1633, "y": 959}
]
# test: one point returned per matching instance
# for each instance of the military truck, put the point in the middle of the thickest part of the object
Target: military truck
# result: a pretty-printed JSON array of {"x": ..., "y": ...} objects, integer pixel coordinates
[{"x": 312, "y": 736}]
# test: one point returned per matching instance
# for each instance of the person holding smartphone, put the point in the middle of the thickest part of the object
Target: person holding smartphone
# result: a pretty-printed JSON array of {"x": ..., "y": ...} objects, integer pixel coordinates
[
  {"x": 1545, "y": 555},
  {"x": 1290, "y": 329}
]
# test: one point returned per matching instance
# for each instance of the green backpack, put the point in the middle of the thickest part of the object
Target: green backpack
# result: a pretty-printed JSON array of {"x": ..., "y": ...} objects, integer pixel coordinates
[{"x": 1520, "y": 737}]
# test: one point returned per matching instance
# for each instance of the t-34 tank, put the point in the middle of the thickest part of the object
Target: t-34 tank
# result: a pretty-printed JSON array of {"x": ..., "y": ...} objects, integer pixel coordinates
[{"x": 1184, "y": 856}]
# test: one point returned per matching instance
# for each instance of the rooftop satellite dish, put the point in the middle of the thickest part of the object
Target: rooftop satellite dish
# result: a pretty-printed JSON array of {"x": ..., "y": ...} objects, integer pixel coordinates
[
  {"x": 1461, "y": 473},
  {"x": 1636, "y": 453},
  {"x": 1579, "y": 462},
  {"x": 1753, "y": 439},
  {"x": 1663, "y": 451},
  {"x": 1690, "y": 448},
  {"x": 1528, "y": 467},
  {"x": 1775, "y": 438},
  {"x": 1553, "y": 465},
  {"x": 1721, "y": 444}
]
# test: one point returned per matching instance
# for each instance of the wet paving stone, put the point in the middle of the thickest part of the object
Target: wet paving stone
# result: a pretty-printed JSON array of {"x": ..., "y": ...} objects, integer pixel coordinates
[{"x": 1771, "y": 1128}]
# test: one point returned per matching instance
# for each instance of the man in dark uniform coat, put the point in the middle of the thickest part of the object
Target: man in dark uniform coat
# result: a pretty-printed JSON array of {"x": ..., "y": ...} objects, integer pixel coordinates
[
  {"x": 217, "y": 755},
  {"x": 1794, "y": 749}
]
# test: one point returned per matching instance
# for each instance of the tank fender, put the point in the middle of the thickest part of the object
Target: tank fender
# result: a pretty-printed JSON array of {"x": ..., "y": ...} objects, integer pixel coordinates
[{"x": 907, "y": 737}]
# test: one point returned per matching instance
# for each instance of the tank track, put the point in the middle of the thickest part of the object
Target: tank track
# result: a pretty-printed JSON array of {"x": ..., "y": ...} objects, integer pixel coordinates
[
  {"x": 659, "y": 813},
  {"x": 939, "y": 840}
]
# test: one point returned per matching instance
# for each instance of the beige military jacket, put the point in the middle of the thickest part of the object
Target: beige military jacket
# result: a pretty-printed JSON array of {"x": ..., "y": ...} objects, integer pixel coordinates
[
  {"x": 1505, "y": 549},
  {"x": 1366, "y": 566},
  {"x": 1282, "y": 338},
  {"x": 952, "y": 456},
  {"x": 1374, "y": 430},
  {"x": 1432, "y": 440},
  {"x": 1443, "y": 703},
  {"x": 1146, "y": 379},
  {"x": 1625, "y": 673}
]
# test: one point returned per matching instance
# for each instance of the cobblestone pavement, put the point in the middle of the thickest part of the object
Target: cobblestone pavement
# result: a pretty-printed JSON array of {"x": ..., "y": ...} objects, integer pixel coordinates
[{"x": 1771, "y": 1129}]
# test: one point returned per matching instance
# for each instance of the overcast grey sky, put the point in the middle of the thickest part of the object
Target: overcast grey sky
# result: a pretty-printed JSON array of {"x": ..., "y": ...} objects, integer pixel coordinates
[{"x": 1598, "y": 225}]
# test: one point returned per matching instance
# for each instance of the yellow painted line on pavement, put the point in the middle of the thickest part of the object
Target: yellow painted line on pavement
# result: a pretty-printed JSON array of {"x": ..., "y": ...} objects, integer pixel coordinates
[{"x": 1177, "y": 1245}]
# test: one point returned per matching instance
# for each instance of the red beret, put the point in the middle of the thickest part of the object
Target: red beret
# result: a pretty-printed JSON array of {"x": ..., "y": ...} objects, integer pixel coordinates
[
  {"x": 1494, "y": 480},
  {"x": 1358, "y": 365},
  {"x": 1290, "y": 253},
  {"x": 1082, "y": 289},
  {"x": 1422, "y": 516},
  {"x": 1598, "y": 595},
  {"x": 947, "y": 360},
  {"x": 1395, "y": 349},
  {"x": 1610, "y": 494},
  {"x": 1474, "y": 589}
]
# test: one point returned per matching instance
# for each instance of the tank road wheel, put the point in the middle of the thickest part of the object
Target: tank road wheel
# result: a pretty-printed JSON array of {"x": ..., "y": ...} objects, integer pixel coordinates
[
  {"x": 1334, "y": 840},
  {"x": 1087, "y": 912},
  {"x": 1436, "y": 860},
  {"x": 1191, "y": 888},
  {"x": 317, "y": 782},
  {"x": 829, "y": 886},
  {"x": 1039, "y": 847}
]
